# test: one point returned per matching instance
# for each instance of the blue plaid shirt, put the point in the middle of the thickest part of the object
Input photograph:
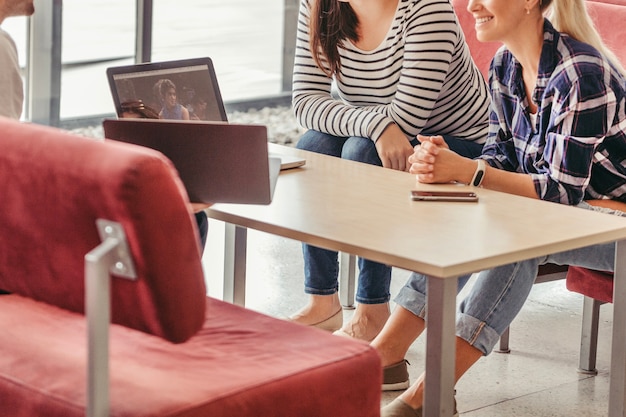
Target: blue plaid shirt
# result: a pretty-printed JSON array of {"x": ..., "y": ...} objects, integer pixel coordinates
[{"x": 577, "y": 148}]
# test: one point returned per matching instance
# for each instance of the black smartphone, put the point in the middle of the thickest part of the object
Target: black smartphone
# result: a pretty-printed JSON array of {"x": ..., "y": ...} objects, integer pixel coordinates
[{"x": 444, "y": 196}]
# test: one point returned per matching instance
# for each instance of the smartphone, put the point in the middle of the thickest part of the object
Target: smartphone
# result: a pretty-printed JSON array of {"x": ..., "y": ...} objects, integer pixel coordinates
[{"x": 444, "y": 196}]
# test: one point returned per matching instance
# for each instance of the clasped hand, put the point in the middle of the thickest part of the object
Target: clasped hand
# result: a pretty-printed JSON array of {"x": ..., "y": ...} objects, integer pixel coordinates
[{"x": 433, "y": 161}]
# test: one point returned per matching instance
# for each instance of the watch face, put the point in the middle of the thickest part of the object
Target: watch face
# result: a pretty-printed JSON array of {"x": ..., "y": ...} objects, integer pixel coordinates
[{"x": 478, "y": 178}]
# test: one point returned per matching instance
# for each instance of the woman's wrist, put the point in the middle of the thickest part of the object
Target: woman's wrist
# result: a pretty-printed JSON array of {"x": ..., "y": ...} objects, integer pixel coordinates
[
  {"x": 479, "y": 173},
  {"x": 468, "y": 171}
]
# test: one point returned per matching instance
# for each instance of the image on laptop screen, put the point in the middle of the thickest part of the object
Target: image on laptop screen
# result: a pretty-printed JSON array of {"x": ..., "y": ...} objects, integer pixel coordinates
[{"x": 181, "y": 90}]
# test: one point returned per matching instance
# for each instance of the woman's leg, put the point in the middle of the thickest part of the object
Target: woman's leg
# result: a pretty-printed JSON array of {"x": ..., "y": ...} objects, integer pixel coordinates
[
  {"x": 321, "y": 266},
  {"x": 466, "y": 357},
  {"x": 499, "y": 294},
  {"x": 203, "y": 227},
  {"x": 321, "y": 269},
  {"x": 372, "y": 301},
  {"x": 399, "y": 333},
  {"x": 494, "y": 301},
  {"x": 407, "y": 321},
  {"x": 372, "y": 297}
]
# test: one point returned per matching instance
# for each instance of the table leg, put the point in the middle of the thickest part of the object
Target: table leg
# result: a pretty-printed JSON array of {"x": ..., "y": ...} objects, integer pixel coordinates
[
  {"x": 440, "y": 347},
  {"x": 347, "y": 279},
  {"x": 235, "y": 243},
  {"x": 617, "y": 388}
]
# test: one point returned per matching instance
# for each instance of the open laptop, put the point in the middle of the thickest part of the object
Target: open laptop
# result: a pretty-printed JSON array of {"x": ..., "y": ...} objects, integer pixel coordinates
[
  {"x": 216, "y": 161},
  {"x": 136, "y": 88}
]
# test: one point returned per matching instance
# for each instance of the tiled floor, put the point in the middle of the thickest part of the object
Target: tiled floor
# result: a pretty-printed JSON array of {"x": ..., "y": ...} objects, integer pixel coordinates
[{"x": 538, "y": 377}]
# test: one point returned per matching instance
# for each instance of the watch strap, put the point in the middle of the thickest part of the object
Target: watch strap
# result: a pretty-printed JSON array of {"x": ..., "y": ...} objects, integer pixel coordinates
[{"x": 479, "y": 174}]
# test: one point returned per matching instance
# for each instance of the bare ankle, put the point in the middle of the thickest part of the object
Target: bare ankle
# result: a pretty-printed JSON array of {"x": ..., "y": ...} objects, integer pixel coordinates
[
  {"x": 319, "y": 307},
  {"x": 367, "y": 321},
  {"x": 389, "y": 355}
]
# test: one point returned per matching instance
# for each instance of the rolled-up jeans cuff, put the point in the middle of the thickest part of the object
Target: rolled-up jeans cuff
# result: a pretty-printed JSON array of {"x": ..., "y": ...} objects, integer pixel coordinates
[
  {"x": 412, "y": 300},
  {"x": 381, "y": 300},
  {"x": 477, "y": 333}
]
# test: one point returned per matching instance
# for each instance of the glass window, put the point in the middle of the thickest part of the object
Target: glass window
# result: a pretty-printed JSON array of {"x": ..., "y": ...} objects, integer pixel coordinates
[{"x": 243, "y": 37}]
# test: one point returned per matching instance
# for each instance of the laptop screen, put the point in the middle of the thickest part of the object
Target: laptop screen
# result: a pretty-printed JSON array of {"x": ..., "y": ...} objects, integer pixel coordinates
[{"x": 183, "y": 90}]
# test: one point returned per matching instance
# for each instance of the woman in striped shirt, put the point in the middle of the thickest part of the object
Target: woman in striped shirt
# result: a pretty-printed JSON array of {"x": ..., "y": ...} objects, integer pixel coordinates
[
  {"x": 370, "y": 75},
  {"x": 557, "y": 133}
]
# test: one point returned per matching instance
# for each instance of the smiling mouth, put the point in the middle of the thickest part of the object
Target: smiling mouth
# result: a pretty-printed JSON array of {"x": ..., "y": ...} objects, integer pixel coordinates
[{"x": 481, "y": 20}]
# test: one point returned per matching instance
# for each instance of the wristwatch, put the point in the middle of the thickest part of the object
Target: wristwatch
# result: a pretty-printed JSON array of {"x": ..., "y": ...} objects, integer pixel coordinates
[{"x": 479, "y": 174}]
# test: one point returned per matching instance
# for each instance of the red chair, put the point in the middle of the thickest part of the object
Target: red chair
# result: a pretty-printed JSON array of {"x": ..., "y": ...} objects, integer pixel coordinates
[{"x": 105, "y": 229}]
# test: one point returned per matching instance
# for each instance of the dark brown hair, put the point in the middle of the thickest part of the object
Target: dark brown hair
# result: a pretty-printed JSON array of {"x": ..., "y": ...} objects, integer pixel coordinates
[{"x": 332, "y": 21}]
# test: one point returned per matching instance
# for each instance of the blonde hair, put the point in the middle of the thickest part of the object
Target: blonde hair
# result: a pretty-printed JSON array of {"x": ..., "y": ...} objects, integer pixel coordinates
[{"x": 571, "y": 17}]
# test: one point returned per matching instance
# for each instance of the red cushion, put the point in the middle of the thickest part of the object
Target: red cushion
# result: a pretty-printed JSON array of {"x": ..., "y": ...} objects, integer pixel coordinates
[
  {"x": 607, "y": 16},
  {"x": 54, "y": 185},
  {"x": 620, "y": 2},
  {"x": 241, "y": 363},
  {"x": 594, "y": 284}
]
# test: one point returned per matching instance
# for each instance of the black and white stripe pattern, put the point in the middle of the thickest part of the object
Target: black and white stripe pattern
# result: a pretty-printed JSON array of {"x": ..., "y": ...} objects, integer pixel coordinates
[{"x": 421, "y": 77}]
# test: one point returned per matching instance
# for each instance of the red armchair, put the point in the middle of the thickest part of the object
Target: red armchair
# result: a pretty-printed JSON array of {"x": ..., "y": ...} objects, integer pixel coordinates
[{"x": 170, "y": 350}]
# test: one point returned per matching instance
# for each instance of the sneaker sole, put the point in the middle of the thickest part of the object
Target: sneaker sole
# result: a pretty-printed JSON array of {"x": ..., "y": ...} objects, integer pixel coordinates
[{"x": 397, "y": 386}]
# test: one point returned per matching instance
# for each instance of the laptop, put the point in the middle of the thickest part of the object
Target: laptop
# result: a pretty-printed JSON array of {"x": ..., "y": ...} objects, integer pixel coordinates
[
  {"x": 216, "y": 161},
  {"x": 136, "y": 91}
]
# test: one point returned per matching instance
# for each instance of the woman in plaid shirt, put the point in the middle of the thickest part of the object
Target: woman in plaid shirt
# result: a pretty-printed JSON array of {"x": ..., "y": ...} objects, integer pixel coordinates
[{"x": 557, "y": 133}]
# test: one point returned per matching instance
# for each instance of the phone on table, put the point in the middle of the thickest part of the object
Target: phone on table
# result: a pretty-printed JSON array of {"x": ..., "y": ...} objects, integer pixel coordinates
[{"x": 418, "y": 195}]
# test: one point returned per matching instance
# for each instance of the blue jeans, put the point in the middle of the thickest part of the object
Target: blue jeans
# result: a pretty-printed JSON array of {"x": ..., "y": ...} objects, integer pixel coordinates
[
  {"x": 203, "y": 227},
  {"x": 321, "y": 266},
  {"x": 499, "y": 293}
]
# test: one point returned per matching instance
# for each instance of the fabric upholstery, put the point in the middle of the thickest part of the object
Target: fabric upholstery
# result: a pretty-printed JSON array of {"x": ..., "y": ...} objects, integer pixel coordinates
[
  {"x": 54, "y": 185},
  {"x": 619, "y": 2},
  {"x": 594, "y": 284},
  {"x": 608, "y": 16},
  {"x": 230, "y": 361},
  {"x": 241, "y": 363}
]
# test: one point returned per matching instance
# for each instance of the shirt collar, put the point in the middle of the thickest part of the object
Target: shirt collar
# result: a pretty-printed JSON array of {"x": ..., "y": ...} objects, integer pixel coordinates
[{"x": 548, "y": 60}]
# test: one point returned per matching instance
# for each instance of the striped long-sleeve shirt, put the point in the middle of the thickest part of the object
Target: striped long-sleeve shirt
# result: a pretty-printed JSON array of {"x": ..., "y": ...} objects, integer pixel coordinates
[{"x": 421, "y": 77}]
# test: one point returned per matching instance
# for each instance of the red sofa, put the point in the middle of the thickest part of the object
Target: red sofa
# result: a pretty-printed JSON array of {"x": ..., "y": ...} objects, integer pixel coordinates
[
  {"x": 170, "y": 351},
  {"x": 596, "y": 286}
]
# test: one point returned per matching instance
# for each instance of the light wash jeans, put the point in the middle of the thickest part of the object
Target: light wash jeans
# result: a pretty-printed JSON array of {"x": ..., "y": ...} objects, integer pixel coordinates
[
  {"x": 499, "y": 293},
  {"x": 321, "y": 267}
]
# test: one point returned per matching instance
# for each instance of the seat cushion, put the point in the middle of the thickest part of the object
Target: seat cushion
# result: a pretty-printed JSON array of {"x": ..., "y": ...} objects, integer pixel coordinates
[
  {"x": 241, "y": 363},
  {"x": 594, "y": 284}
]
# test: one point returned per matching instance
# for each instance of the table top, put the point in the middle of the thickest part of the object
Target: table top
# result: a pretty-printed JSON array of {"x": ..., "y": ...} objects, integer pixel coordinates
[{"x": 366, "y": 210}]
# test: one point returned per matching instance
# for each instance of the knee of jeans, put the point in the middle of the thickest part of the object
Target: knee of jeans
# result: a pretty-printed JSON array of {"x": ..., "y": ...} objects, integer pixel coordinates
[
  {"x": 361, "y": 150},
  {"x": 308, "y": 140},
  {"x": 320, "y": 142}
]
